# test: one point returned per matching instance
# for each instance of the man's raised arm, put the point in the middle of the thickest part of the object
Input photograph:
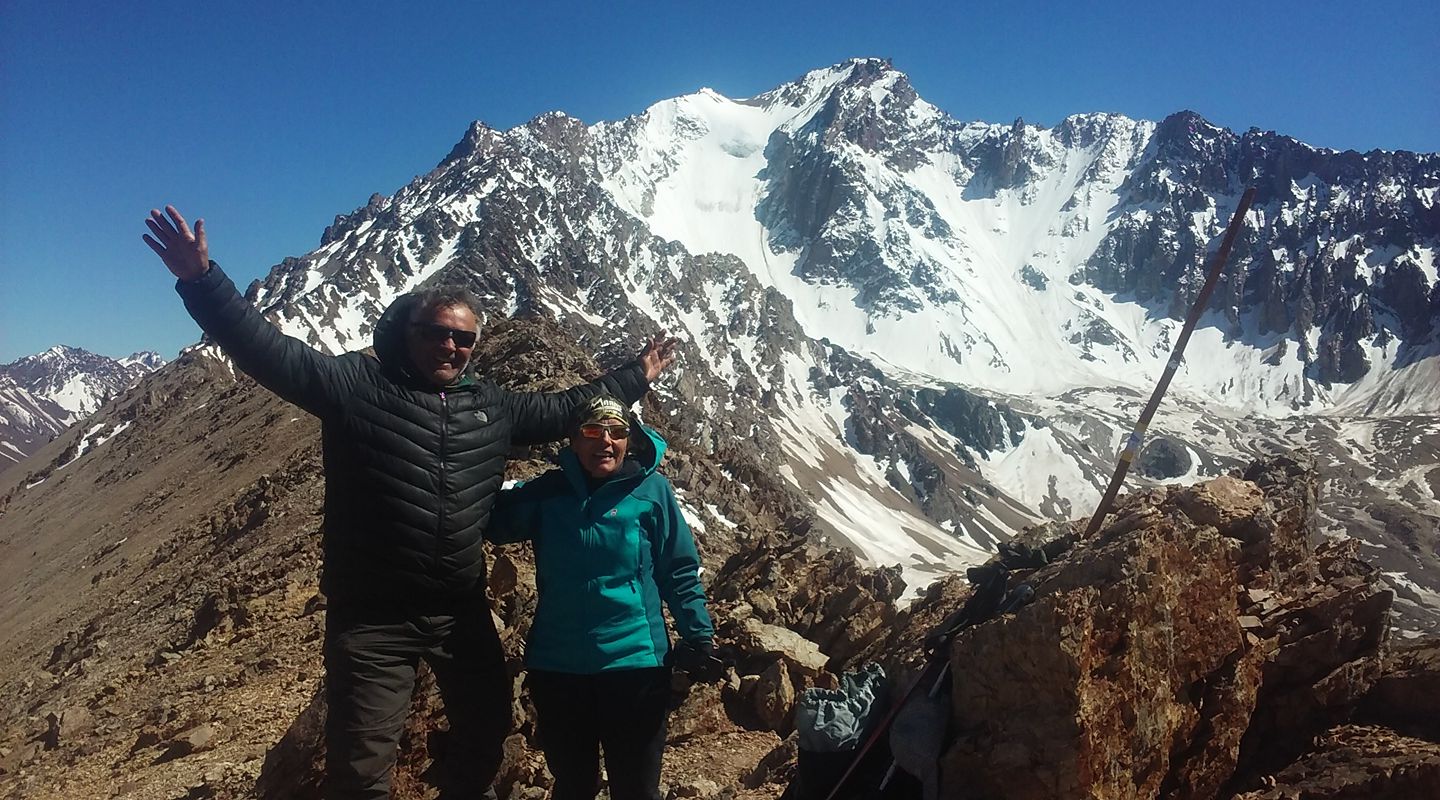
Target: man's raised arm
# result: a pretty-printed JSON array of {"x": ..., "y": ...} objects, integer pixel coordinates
[
  {"x": 541, "y": 416},
  {"x": 284, "y": 365}
]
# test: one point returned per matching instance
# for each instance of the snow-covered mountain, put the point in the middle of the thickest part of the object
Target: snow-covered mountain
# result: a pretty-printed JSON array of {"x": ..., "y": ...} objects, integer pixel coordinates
[
  {"x": 43, "y": 394},
  {"x": 935, "y": 330}
]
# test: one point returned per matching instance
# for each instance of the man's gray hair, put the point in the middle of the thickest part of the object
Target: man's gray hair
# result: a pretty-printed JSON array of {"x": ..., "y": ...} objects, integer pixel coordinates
[{"x": 428, "y": 300}]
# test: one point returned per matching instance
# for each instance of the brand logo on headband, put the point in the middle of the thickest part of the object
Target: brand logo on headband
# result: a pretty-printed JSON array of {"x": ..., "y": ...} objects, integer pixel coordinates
[{"x": 597, "y": 409}]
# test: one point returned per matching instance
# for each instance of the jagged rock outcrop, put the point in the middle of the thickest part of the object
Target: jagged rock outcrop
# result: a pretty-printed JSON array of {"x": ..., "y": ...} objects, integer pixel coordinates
[
  {"x": 817, "y": 590},
  {"x": 1199, "y": 646},
  {"x": 1406, "y": 693}
]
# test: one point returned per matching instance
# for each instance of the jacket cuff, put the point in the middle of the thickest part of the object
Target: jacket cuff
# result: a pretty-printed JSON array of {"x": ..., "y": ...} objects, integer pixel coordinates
[{"x": 212, "y": 277}]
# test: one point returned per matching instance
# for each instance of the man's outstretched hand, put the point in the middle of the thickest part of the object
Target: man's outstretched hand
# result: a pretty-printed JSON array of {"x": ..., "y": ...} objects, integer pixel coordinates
[
  {"x": 658, "y": 355},
  {"x": 185, "y": 254}
]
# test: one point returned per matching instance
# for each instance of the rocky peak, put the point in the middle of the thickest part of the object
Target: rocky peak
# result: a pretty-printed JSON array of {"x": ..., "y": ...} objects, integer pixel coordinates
[
  {"x": 1087, "y": 130},
  {"x": 556, "y": 134},
  {"x": 817, "y": 85},
  {"x": 346, "y": 224},
  {"x": 1292, "y": 271},
  {"x": 43, "y": 394},
  {"x": 1021, "y": 157},
  {"x": 1189, "y": 152},
  {"x": 148, "y": 359},
  {"x": 63, "y": 374},
  {"x": 473, "y": 145},
  {"x": 56, "y": 359},
  {"x": 875, "y": 109}
]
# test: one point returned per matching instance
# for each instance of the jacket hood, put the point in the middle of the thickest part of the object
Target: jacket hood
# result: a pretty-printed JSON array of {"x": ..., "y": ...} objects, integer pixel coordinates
[
  {"x": 648, "y": 450},
  {"x": 389, "y": 338}
]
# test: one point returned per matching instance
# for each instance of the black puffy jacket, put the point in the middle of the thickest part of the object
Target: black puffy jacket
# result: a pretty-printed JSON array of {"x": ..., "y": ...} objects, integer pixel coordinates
[{"x": 411, "y": 470}]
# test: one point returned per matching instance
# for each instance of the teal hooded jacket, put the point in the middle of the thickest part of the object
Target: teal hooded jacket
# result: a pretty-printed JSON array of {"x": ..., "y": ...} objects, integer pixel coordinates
[{"x": 604, "y": 562}]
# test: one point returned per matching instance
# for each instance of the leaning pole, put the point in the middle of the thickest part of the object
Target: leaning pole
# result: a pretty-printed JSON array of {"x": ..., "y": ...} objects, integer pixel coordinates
[{"x": 1132, "y": 445}]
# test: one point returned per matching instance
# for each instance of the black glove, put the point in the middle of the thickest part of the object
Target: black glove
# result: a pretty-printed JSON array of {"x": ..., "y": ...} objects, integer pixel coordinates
[{"x": 697, "y": 661}]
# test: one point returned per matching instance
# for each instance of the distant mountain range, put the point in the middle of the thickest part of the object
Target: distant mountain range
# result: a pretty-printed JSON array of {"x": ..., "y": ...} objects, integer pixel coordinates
[{"x": 43, "y": 394}]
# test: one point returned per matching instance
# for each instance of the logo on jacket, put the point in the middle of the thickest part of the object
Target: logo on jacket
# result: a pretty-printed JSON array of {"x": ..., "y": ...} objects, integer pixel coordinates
[{"x": 481, "y": 417}]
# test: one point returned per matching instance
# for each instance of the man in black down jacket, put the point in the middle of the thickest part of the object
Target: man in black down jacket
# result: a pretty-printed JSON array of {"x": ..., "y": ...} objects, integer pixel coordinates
[{"x": 414, "y": 452}]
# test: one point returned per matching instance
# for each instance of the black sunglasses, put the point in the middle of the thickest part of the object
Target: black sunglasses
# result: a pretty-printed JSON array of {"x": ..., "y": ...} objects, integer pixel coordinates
[{"x": 431, "y": 332}]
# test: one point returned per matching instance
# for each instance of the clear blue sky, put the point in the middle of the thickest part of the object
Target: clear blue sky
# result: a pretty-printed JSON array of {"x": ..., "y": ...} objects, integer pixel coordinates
[{"x": 270, "y": 118}]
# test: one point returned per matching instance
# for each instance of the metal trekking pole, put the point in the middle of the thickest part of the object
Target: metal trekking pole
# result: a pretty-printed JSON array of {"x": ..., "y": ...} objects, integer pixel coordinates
[{"x": 1132, "y": 445}]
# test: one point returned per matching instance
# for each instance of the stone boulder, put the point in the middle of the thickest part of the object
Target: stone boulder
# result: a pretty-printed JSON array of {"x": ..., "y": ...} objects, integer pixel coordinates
[
  {"x": 1128, "y": 635},
  {"x": 1163, "y": 457},
  {"x": 799, "y": 654},
  {"x": 64, "y": 728},
  {"x": 192, "y": 740},
  {"x": 1194, "y": 648},
  {"x": 774, "y": 698}
]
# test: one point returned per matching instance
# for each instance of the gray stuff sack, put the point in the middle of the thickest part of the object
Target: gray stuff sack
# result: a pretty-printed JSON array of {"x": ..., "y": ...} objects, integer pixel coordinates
[{"x": 836, "y": 720}]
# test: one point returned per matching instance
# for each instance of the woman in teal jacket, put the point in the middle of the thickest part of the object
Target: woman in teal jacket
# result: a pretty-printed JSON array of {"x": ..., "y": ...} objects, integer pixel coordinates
[{"x": 610, "y": 547}]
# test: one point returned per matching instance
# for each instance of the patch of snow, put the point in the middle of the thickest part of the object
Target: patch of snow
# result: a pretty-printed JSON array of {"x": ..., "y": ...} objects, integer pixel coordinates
[{"x": 719, "y": 517}]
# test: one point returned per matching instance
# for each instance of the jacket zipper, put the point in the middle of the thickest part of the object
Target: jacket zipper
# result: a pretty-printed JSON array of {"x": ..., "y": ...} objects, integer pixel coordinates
[
  {"x": 639, "y": 563},
  {"x": 636, "y": 579},
  {"x": 440, "y": 517}
]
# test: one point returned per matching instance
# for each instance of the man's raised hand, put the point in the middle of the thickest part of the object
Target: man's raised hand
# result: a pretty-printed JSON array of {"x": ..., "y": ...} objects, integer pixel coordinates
[
  {"x": 185, "y": 254},
  {"x": 658, "y": 355}
]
